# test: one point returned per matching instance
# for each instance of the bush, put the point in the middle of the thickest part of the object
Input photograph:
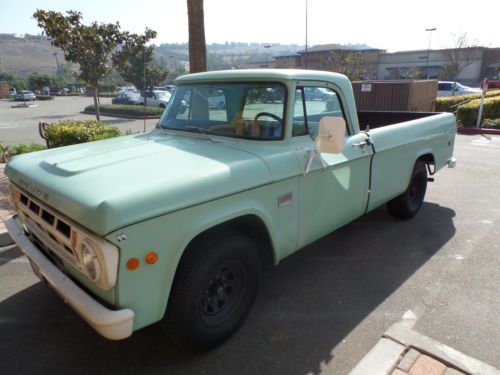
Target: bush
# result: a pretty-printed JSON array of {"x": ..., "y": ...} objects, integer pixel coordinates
[
  {"x": 127, "y": 110},
  {"x": 489, "y": 123},
  {"x": 107, "y": 94},
  {"x": 44, "y": 97},
  {"x": 70, "y": 132},
  {"x": 448, "y": 103},
  {"x": 467, "y": 113},
  {"x": 76, "y": 93},
  {"x": 7, "y": 151}
]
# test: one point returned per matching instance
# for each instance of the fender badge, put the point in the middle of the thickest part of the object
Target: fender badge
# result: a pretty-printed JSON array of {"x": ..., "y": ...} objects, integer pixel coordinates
[
  {"x": 121, "y": 237},
  {"x": 284, "y": 199}
]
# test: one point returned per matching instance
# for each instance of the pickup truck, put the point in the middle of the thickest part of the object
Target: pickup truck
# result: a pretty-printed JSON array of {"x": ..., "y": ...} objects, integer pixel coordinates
[{"x": 176, "y": 225}]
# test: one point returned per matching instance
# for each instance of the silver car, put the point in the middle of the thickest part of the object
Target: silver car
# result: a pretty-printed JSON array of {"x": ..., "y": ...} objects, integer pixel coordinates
[{"x": 25, "y": 95}]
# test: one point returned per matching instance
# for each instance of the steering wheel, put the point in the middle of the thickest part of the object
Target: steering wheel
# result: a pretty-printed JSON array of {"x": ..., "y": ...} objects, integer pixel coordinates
[{"x": 261, "y": 114}]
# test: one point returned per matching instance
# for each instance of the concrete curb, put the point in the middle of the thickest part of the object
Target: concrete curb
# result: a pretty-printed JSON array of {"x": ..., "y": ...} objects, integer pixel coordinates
[
  {"x": 474, "y": 131},
  {"x": 131, "y": 117},
  {"x": 5, "y": 239},
  {"x": 383, "y": 358}
]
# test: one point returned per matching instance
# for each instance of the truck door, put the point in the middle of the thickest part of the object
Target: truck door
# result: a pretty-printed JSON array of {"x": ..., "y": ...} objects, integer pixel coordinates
[{"x": 332, "y": 197}]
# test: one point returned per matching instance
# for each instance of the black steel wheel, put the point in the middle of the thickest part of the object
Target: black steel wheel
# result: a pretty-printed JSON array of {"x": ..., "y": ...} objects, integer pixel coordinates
[
  {"x": 406, "y": 205},
  {"x": 214, "y": 288}
]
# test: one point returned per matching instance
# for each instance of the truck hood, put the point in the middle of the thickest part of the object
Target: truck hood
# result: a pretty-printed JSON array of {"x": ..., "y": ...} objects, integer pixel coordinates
[{"x": 110, "y": 184}]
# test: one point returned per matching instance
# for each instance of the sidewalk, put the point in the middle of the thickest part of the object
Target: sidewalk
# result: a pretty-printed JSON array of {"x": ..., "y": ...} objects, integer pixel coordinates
[{"x": 403, "y": 351}]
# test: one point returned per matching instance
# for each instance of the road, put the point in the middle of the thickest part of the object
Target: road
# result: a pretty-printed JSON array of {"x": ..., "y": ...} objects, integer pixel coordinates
[
  {"x": 323, "y": 308},
  {"x": 20, "y": 125}
]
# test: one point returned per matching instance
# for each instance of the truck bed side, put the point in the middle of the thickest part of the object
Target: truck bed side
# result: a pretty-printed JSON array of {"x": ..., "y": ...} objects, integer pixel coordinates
[{"x": 397, "y": 148}]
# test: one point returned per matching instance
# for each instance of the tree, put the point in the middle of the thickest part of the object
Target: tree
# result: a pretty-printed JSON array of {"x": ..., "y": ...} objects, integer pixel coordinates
[
  {"x": 39, "y": 80},
  {"x": 457, "y": 58},
  {"x": 350, "y": 63},
  {"x": 197, "y": 46},
  {"x": 88, "y": 46},
  {"x": 135, "y": 63}
]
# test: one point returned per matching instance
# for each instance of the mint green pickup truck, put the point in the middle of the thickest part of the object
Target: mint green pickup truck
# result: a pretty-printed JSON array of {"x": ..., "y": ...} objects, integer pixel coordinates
[{"x": 176, "y": 225}]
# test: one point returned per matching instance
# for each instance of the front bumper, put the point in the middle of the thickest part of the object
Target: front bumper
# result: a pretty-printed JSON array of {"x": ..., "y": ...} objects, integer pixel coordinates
[{"x": 112, "y": 324}]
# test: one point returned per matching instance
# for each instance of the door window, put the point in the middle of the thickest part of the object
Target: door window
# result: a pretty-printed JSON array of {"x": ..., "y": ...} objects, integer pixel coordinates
[{"x": 311, "y": 105}]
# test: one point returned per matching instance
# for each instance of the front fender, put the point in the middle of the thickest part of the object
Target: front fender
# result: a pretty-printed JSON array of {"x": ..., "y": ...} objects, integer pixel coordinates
[{"x": 146, "y": 289}]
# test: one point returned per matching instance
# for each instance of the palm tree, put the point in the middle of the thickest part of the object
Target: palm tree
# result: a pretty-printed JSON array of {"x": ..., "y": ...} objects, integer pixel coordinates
[{"x": 197, "y": 47}]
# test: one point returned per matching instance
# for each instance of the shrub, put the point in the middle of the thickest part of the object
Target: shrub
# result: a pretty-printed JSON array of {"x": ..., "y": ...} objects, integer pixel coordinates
[
  {"x": 76, "y": 93},
  {"x": 107, "y": 94},
  {"x": 467, "y": 113},
  {"x": 7, "y": 151},
  {"x": 448, "y": 103},
  {"x": 127, "y": 110},
  {"x": 44, "y": 97},
  {"x": 70, "y": 132},
  {"x": 489, "y": 123}
]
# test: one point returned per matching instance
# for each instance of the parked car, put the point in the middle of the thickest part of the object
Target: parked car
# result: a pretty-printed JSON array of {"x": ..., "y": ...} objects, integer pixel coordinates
[
  {"x": 12, "y": 92},
  {"x": 445, "y": 88},
  {"x": 217, "y": 100},
  {"x": 157, "y": 98},
  {"x": 127, "y": 98},
  {"x": 316, "y": 93},
  {"x": 25, "y": 95},
  {"x": 175, "y": 226},
  {"x": 127, "y": 89},
  {"x": 494, "y": 84}
]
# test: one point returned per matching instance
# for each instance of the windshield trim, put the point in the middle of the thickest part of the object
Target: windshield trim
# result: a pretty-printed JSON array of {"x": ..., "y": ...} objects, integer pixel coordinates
[{"x": 236, "y": 82}]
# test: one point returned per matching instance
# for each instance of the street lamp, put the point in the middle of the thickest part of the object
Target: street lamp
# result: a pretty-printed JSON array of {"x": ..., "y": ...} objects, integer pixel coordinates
[
  {"x": 267, "y": 46},
  {"x": 429, "y": 49}
]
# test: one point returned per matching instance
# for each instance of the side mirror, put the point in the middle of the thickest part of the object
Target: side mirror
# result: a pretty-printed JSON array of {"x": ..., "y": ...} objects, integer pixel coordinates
[{"x": 331, "y": 135}]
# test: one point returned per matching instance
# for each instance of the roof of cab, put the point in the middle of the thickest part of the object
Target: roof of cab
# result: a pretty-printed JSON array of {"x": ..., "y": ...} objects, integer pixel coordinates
[{"x": 264, "y": 75}]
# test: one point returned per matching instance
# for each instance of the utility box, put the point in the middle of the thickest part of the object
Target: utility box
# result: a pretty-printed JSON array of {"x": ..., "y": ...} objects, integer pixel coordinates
[{"x": 401, "y": 95}]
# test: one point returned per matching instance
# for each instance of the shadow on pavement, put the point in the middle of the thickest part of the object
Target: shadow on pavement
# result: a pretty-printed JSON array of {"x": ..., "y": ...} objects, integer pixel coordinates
[{"x": 305, "y": 307}]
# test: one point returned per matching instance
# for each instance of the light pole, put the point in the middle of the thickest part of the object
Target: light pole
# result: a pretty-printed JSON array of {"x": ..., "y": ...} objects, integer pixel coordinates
[
  {"x": 267, "y": 46},
  {"x": 305, "y": 62},
  {"x": 429, "y": 49}
]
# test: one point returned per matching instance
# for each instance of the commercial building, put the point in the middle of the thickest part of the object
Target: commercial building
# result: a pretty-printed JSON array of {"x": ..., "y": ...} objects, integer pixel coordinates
[{"x": 379, "y": 64}]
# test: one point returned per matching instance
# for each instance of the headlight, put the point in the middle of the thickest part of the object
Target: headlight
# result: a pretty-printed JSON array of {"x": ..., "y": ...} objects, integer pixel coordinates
[{"x": 90, "y": 261}]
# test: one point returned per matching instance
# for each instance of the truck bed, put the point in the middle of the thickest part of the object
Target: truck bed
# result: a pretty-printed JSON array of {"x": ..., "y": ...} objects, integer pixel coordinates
[{"x": 378, "y": 119}]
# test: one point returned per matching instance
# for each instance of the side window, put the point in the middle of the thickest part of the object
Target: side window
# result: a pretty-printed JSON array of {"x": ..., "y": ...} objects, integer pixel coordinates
[
  {"x": 320, "y": 102},
  {"x": 299, "y": 126}
]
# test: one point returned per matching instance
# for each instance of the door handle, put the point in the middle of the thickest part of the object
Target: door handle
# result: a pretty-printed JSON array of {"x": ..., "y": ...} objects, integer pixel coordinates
[{"x": 360, "y": 145}]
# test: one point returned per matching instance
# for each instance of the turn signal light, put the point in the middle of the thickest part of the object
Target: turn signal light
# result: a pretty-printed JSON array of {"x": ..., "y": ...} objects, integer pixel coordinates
[
  {"x": 133, "y": 263},
  {"x": 151, "y": 257}
]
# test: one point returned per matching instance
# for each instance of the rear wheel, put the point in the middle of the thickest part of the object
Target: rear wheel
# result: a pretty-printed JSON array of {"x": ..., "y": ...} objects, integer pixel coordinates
[
  {"x": 213, "y": 290},
  {"x": 406, "y": 205}
]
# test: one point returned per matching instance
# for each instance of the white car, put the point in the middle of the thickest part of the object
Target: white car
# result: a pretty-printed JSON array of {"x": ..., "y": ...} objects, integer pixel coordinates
[
  {"x": 445, "y": 88},
  {"x": 156, "y": 98}
]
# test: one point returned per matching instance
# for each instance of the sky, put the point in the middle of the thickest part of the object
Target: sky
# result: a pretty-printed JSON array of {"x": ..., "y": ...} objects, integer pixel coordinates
[{"x": 385, "y": 24}]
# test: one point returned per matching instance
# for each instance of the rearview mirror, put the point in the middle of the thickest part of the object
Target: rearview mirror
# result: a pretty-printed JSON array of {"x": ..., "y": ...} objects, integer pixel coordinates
[{"x": 331, "y": 135}]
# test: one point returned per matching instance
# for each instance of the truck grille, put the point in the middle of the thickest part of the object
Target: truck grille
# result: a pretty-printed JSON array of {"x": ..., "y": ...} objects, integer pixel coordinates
[{"x": 50, "y": 229}]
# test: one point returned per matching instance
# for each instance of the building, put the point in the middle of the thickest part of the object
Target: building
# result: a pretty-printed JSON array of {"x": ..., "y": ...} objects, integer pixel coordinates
[{"x": 379, "y": 64}]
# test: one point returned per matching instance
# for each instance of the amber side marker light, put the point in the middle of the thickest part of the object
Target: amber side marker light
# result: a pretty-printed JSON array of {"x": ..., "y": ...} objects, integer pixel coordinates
[
  {"x": 133, "y": 263},
  {"x": 151, "y": 257}
]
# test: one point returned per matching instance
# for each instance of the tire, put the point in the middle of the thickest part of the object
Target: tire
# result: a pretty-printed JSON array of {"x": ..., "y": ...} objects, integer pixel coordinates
[
  {"x": 406, "y": 205},
  {"x": 162, "y": 106},
  {"x": 213, "y": 290}
]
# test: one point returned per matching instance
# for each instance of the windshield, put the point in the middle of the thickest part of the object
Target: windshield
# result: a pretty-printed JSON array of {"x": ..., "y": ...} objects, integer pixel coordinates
[{"x": 241, "y": 110}]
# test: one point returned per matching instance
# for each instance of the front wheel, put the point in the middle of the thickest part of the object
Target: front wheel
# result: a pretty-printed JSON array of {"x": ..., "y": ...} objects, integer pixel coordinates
[
  {"x": 214, "y": 289},
  {"x": 406, "y": 205}
]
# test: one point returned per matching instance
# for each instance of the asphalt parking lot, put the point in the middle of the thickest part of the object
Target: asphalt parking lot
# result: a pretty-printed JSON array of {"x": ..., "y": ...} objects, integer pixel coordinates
[
  {"x": 323, "y": 308},
  {"x": 20, "y": 125}
]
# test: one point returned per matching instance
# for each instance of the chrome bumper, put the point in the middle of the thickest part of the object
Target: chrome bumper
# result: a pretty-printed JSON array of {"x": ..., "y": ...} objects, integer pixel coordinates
[
  {"x": 452, "y": 163},
  {"x": 112, "y": 324}
]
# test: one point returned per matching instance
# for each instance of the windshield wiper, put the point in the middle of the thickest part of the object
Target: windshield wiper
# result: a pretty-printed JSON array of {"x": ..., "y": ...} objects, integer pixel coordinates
[{"x": 200, "y": 130}]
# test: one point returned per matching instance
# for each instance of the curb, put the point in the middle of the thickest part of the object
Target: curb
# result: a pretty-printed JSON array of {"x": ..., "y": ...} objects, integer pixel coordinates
[
  {"x": 5, "y": 239},
  {"x": 122, "y": 116},
  {"x": 478, "y": 131},
  {"x": 383, "y": 358}
]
